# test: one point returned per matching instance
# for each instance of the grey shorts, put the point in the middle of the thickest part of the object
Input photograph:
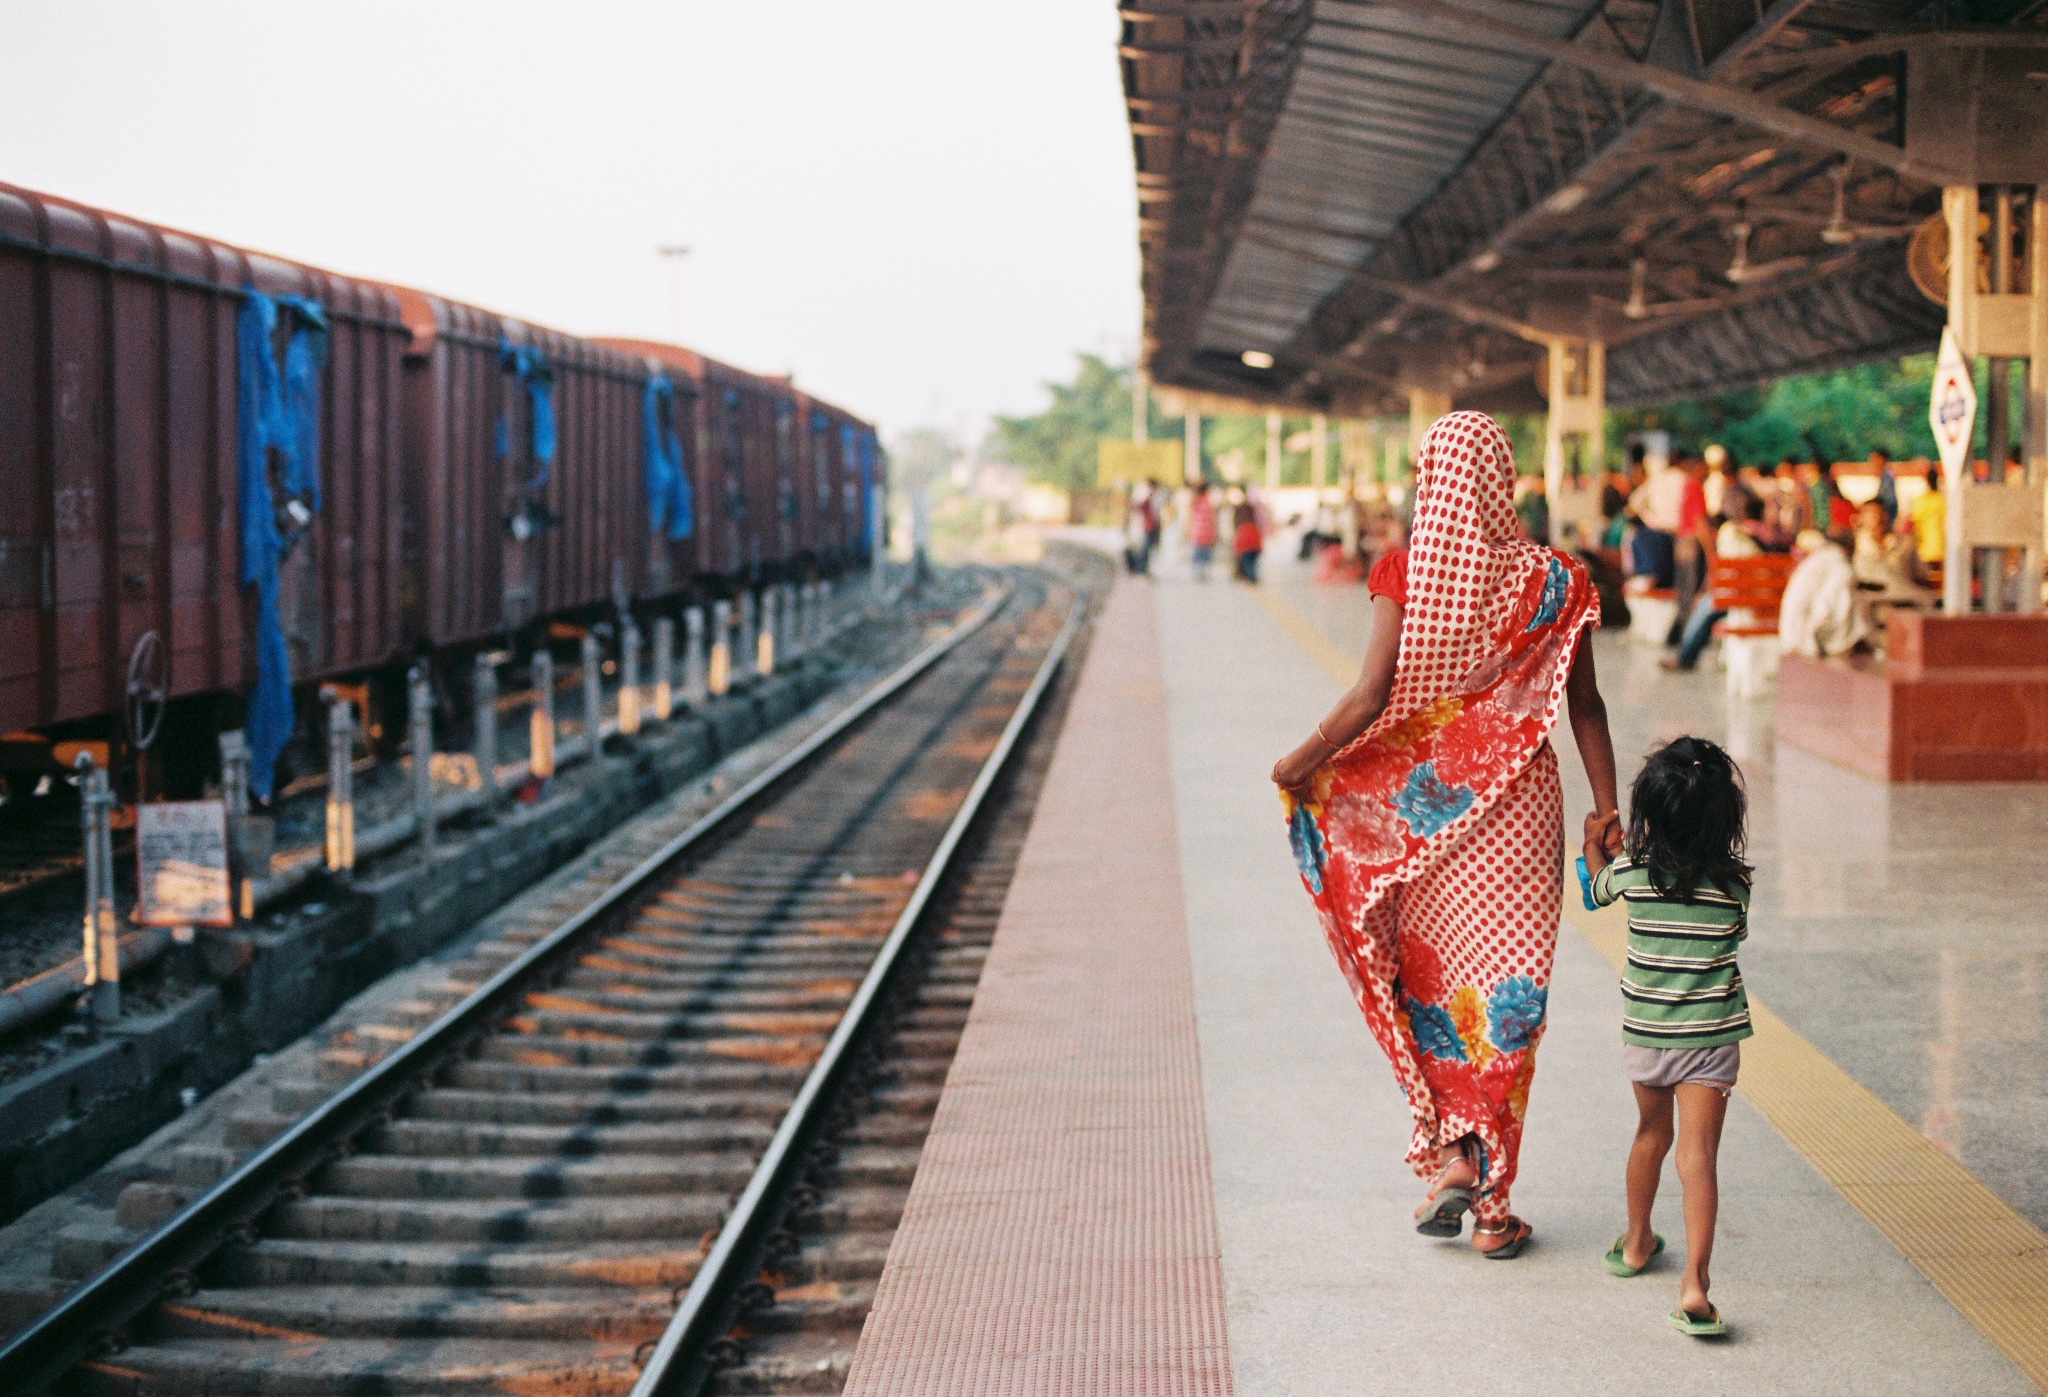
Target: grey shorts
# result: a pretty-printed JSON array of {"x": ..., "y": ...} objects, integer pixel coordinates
[{"x": 1671, "y": 1067}]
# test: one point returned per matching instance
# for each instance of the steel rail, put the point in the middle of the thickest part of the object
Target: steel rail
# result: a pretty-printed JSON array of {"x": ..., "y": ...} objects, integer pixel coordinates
[
  {"x": 164, "y": 1264},
  {"x": 679, "y": 1362}
]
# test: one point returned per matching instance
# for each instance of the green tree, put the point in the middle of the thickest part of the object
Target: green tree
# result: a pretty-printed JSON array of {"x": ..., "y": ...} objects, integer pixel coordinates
[
  {"x": 1844, "y": 415},
  {"x": 1057, "y": 446}
]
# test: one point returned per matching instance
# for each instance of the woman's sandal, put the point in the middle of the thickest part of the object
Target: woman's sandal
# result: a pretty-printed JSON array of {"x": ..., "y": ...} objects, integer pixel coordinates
[
  {"x": 1442, "y": 1214},
  {"x": 1513, "y": 1229},
  {"x": 1707, "y": 1326},
  {"x": 1617, "y": 1256}
]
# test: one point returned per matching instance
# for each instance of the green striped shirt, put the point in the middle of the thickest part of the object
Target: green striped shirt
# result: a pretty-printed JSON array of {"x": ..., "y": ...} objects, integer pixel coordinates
[{"x": 1682, "y": 988}]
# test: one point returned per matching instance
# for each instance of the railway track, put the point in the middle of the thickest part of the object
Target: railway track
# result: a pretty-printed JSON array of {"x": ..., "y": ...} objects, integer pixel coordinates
[
  {"x": 800, "y": 1322},
  {"x": 579, "y": 1178}
]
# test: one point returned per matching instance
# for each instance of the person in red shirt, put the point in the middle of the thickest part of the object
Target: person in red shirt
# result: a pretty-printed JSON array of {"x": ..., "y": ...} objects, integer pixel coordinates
[
  {"x": 1201, "y": 530},
  {"x": 1692, "y": 545},
  {"x": 1249, "y": 541}
]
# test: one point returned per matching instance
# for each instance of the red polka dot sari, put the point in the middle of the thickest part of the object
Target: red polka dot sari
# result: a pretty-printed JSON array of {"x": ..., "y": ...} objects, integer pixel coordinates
[{"x": 1433, "y": 844}]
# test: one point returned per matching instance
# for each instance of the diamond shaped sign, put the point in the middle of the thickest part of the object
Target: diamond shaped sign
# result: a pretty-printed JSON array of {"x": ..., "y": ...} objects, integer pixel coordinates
[{"x": 1952, "y": 407}]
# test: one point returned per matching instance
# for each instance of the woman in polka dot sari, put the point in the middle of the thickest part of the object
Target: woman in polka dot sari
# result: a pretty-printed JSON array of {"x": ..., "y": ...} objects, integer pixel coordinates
[{"x": 1428, "y": 824}]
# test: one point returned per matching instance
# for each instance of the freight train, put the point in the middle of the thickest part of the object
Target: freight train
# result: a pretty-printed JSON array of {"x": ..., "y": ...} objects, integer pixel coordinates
[{"x": 226, "y": 478}]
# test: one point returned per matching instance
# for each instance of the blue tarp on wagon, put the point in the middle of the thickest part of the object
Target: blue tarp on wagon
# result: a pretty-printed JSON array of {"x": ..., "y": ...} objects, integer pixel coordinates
[{"x": 279, "y": 412}]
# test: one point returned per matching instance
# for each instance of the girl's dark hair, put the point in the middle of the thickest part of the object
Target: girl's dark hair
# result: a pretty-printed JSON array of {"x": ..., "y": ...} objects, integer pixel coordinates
[{"x": 1687, "y": 818}]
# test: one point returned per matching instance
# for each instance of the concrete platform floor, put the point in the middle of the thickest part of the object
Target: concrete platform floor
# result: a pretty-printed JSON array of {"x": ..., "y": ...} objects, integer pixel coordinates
[{"x": 1894, "y": 929}]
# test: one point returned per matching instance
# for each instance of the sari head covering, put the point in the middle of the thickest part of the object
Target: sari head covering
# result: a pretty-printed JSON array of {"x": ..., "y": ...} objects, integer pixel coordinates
[{"x": 1425, "y": 842}]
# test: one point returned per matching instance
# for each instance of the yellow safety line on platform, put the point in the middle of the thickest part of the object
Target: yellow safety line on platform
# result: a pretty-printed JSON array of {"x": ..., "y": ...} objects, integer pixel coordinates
[
  {"x": 1334, "y": 662},
  {"x": 1990, "y": 1263}
]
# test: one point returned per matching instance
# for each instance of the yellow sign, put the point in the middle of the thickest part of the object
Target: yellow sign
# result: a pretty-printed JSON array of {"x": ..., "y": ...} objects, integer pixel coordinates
[{"x": 1117, "y": 461}]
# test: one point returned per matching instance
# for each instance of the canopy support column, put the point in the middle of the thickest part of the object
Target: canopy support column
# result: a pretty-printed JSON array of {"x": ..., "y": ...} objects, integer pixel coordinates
[
  {"x": 2002, "y": 323},
  {"x": 1575, "y": 439},
  {"x": 1425, "y": 406},
  {"x": 1191, "y": 464},
  {"x": 1272, "y": 451}
]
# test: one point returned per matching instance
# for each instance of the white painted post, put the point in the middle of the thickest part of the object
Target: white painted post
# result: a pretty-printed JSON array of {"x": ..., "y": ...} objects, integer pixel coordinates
[
  {"x": 746, "y": 651},
  {"x": 629, "y": 677},
  {"x": 721, "y": 648},
  {"x": 696, "y": 677},
  {"x": 102, "y": 931},
  {"x": 420, "y": 715},
  {"x": 664, "y": 668},
  {"x": 540, "y": 760},
  {"x": 484, "y": 737},
  {"x": 593, "y": 695},
  {"x": 341, "y": 796}
]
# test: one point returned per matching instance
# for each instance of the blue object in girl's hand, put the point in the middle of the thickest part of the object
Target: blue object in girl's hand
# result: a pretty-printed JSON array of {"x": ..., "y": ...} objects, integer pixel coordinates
[{"x": 1586, "y": 885}]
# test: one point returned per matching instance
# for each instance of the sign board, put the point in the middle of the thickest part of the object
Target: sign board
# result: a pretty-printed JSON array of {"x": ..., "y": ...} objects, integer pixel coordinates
[
  {"x": 181, "y": 848},
  {"x": 1118, "y": 461},
  {"x": 1952, "y": 407}
]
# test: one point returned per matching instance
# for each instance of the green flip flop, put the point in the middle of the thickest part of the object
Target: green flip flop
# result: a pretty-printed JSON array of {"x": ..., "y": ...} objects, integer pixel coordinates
[
  {"x": 1707, "y": 1326},
  {"x": 1619, "y": 1265}
]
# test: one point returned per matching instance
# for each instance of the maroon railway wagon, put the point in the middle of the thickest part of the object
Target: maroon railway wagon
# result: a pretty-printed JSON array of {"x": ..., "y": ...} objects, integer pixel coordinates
[
  {"x": 121, "y": 425},
  {"x": 832, "y": 502},
  {"x": 778, "y": 472},
  {"x": 746, "y": 459},
  {"x": 230, "y": 477},
  {"x": 526, "y": 475}
]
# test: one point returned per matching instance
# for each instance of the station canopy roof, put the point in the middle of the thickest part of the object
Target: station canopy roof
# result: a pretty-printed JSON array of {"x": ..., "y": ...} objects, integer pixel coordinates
[{"x": 1386, "y": 194}]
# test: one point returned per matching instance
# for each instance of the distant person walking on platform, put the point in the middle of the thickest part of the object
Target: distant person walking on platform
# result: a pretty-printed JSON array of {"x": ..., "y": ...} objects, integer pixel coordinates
[
  {"x": 1249, "y": 541},
  {"x": 1428, "y": 823},
  {"x": 1684, "y": 1012},
  {"x": 1201, "y": 530},
  {"x": 1141, "y": 528}
]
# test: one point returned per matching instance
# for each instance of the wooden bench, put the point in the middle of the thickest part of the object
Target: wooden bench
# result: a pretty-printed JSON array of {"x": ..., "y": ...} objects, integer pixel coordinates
[{"x": 1749, "y": 648}]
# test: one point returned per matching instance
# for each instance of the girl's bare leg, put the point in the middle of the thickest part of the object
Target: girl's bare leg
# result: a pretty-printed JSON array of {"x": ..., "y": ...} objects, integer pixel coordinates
[
  {"x": 1701, "y": 1110},
  {"x": 1645, "y": 1168}
]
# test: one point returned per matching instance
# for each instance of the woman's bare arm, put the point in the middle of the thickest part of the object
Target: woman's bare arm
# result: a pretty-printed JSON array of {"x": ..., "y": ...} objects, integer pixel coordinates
[
  {"x": 1363, "y": 703},
  {"x": 1596, "y": 747}
]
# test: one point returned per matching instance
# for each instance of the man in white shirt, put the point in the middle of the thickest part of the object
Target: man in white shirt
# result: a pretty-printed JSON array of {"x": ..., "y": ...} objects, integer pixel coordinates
[{"x": 1819, "y": 615}]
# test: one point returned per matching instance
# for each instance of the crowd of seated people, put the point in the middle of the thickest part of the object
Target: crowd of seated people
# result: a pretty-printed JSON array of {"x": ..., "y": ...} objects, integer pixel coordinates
[{"x": 1854, "y": 563}]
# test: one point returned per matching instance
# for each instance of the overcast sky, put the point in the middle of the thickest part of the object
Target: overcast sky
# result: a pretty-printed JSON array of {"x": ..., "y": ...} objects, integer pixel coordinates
[{"x": 921, "y": 207}]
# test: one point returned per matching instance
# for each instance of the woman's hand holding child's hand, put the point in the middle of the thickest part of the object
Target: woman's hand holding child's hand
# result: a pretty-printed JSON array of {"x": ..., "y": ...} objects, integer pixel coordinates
[{"x": 1603, "y": 838}]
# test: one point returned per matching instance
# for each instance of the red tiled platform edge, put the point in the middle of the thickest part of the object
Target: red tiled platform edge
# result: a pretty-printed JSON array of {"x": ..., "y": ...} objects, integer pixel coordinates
[
  {"x": 1962, "y": 698},
  {"x": 1060, "y": 1236}
]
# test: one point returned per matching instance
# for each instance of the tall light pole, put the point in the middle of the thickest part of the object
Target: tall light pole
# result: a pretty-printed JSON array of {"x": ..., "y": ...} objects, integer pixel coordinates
[{"x": 673, "y": 254}]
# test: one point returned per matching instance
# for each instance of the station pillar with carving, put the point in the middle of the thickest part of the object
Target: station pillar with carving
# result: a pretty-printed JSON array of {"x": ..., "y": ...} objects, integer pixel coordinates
[{"x": 1575, "y": 439}]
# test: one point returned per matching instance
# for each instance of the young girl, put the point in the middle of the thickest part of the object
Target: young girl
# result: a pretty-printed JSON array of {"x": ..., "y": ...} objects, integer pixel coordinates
[{"x": 1684, "y": 1013}]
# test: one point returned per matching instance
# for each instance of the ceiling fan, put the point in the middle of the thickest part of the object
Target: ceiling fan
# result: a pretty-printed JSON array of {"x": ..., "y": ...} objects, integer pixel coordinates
[
  {"x": 1639, "y": 306},
  {"x": 1840, "y": 232},
  {"x": 1744, "y": 272},
  {"x": 1837, "y": 229}
]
